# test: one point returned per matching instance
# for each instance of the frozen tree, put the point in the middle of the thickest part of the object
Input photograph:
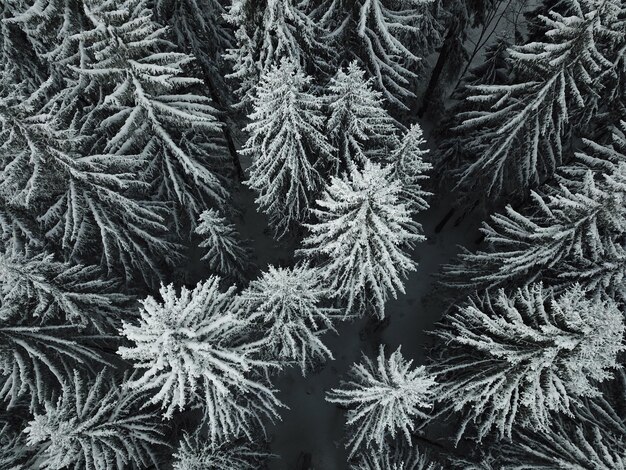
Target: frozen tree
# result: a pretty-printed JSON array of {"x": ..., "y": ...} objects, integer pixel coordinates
[
  {"x": 287, "y": 305},
  {"x": 384, "y": 398},
  {"x": 226, "y": 253},
  {"x": 516, "y": 360},
  {"x": 384, "y": 35},
  {"x": 36, "y": 359},
  {"x": 194, "y": 351},
  {"x": 359, "y": 126},
  {"x": 13, "y": 451},
  {"x": 410, "y": 168},
  {"x": 195, "y": 454},
  {"x": 149, "y": 108},
  {"x": 95, "y": 425},
  {"x": 49, "y": 289},
  {"x": 269, "y": 31},
  {"x": 89, "y": 205},
  {"x": 521, "y": 129},
  {"x": 394, "y": 456},
  {"x": 287, "y": 145},
  {"x": 573, "y": 233},
  {"x": 591, "y": 437},
  {"x": 361, "y": 238}
]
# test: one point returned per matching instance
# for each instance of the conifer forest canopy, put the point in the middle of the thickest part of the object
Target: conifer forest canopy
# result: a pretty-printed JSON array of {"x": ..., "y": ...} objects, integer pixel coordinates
[{"x": 312, "y": 234}]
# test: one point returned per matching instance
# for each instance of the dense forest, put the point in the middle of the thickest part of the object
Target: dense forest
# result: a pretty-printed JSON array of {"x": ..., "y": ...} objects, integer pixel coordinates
[{"x": 312, "y": 234}]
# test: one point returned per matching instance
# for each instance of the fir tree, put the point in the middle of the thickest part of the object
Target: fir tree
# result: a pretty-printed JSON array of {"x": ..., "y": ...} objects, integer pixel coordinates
[
  {"x": 517, "y": 360},
  {"x": 395, "y": 456},
  {"x": 226, "y": 254},
  {"x": 573, "y": 233},
  {"x": 268, "y": 32},
  {"x": 287, "y": 145},
  {"x": 287, "y": 305},
  {"x": 410, "y": 168},
  {"x": 50, "y": 290},
  {"x": 194, "y": 454},
  {"x": 194, "y": 351},
  {"x": 381, "y": 34},
  {"x": 36, "y": 360},
  {"x": 358, "y": 126},
  {"x": 150, "y": 110},
  {"x": 95, "y": 425},
  {"x": 87, "y": 204},
  {"x": 361, "y": 238},
  {"x": 384, "y": 399},
  {"x": 520, "y": 130}
]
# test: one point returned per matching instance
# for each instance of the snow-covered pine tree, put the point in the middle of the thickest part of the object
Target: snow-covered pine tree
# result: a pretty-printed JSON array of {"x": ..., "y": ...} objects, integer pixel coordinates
[
  {"x": 51, "y": 290},
  {"x": 397, "y": 455},
  {"x": 226, "y": 254},
  {"x": 359, "y": 126},
  {"x": 147, "y": 106},
  {"x": 287, "y": 305},
  {"x": 361, "y": 239},
  {"x": 520, "y": 130},
  {"x": 288, "y": 147},
  {"x": 195, "y": 454},
  {"x": 388, "y": 37},
  {"x": 268, "y": 31},
  {"x": 95, "y": 425},
  {"x": 517, "y": 360},
  {"x": 13, "y": 452},
  {"x": 18, "y": 61},
  {"x": 89, "y": 205},
  {"x": 573, "y": 233},
  {"x": 592, "y": 436},
  {"x": 385, "y": 399},
  {"x": 37, "y": 359},
  {"x": 195, "y": 352},
  {"x": 410, "y": 168}
]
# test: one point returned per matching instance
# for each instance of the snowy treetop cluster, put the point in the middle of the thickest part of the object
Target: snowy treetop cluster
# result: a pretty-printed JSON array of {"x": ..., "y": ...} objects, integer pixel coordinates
[{"x": 198, "y": 196}]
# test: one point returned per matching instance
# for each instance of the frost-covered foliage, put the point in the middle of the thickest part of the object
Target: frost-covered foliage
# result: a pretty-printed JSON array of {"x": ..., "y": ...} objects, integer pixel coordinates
[
  {"x": 150, "y": 109},
  {"x": 359, "y": 126},
  {"x": 287, "y": 305},
  {"x": 195, "y": 454},
  {"x": 269, "y": 31},
  {"x": 520, "y": 130},
  {"x": 381, "y": 34},
  {"x": 37, "y": 359},
  {"x": 410, "y": 168},
  {"x": 49, "y": 289},
  {"x": 516, "y": 360},
  {"x": 195, "y": 351},
  {"x": 361, "y": 238},
  {"x": 14, "y": 454},
  {"x": 385, "y": 398},
  {"x": 226, "y": 253},
  {"x": 395, "y": 456},
  {"x": 95, "y": 425},
  {"x": 287, "y": 145},
  {"x": 89, "y": 205},
  {"x": 200, "y": 27},
  {"x": 573, "y": 233},
  {"x": 567, "y": 445}
]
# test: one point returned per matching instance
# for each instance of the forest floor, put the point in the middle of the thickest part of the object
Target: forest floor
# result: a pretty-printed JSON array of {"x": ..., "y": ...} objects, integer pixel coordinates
[{"x": 311, "y": 433}]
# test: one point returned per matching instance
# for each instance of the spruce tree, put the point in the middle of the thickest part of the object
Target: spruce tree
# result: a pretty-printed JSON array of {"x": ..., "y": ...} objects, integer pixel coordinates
[
  {"x": 517, "y": 360},
  {"x": 358, "y": 126},
  {"x": 288, "y": 148},
  {"x": 361, "y": 237}
]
